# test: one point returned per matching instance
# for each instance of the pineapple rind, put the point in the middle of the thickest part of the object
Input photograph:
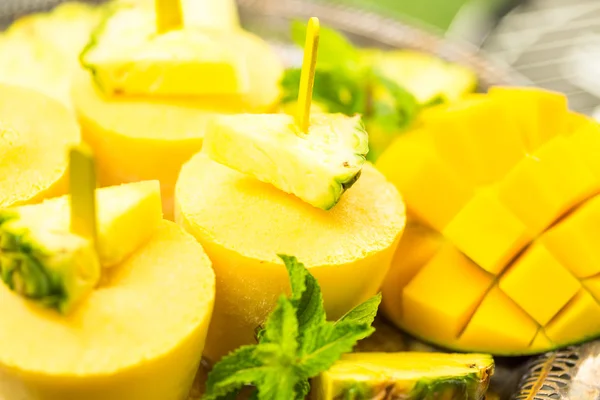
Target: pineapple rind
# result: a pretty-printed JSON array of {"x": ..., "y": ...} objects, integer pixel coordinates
[
  {"x": 425, "y": 376},
  {"x": 57, "y": 269}
]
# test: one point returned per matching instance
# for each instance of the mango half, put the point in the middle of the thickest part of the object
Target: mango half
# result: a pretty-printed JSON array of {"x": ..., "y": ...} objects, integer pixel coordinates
[
  {"x": 33, "y": 149},
  {"x": 244, "y": 223},
  {"x": 138, "y": 336},
  {"x": 501, "y": 253}
]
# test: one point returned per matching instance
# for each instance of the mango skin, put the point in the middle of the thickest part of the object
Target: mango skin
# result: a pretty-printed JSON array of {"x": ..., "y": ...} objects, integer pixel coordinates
[
  {"x": 243, "y": 224},
  {"x": 138, "y": 337},
  {"x": 140, "y": 138}
]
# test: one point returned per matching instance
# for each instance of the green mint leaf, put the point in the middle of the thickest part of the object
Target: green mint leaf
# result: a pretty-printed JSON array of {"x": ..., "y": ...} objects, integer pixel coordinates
[
  {"x": 326, "y": 343},
  {"x": 295, "y": 343},
  {"x": 238, "y": 368},
  {"x": 306, "y": 294},
  {"x": 363, "y": 313},
  {"x": 279, "y": 383},
  {"x": 338, "y": 90},
  {"x": 334, "y": 48},
  {"x": 281, "y": 329}
]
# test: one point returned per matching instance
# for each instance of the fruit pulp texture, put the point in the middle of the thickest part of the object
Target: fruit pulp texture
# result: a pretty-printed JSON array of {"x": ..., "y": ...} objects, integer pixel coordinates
[{"x": 525, "y": 214}]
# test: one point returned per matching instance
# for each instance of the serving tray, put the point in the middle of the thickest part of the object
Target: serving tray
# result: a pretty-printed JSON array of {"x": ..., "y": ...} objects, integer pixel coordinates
[{"x": 569, "y": 374}]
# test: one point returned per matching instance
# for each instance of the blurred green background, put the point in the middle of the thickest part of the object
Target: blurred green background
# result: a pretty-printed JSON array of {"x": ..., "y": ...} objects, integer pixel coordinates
[{"x": 437, "y": 13}]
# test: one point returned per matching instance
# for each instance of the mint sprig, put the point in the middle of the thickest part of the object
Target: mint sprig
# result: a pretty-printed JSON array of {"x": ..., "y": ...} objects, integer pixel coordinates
[{"x": 295, "y": 344}]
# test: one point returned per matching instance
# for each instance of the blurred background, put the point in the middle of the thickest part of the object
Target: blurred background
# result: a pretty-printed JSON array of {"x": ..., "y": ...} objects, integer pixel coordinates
[{"x": 553, "y": 43}]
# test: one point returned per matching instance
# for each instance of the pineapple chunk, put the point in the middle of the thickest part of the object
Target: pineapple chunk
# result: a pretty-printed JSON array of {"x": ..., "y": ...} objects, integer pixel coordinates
[
  {"x": 41, "y": 259},
  {"x": 410, "y": 376},
  {"x": 487, "y": 232},
  {"x": 56, "y": 269},
  {"x": 574, "y": 240},
  {"x": 539, "y": 284},
  {"x": 317, "y": 167},
  {"x": 580, "y": 318},
  {"x": 431, "y": 302},
  {"x": 126, "y": 57},
  {"x": 498, "y": 320}
]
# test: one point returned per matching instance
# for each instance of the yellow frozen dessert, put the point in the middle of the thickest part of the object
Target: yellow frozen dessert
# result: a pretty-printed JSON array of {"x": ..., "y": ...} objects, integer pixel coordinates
[
  {"x": 125, "y": 319},
  {"x": 147, "y": 97},
  {"x": 33, "y": 149},
  {"x": 312, "y": 196}
]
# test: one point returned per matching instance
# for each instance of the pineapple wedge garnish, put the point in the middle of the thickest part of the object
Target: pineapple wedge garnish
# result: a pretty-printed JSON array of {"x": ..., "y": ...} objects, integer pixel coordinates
[
  {"x": 127, "y": 57},
  {"x": 41, "y": 259},
  {"x": 317, "y": 167}
]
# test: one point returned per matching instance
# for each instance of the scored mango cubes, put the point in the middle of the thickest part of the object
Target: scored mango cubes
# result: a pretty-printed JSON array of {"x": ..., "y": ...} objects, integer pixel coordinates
[
  {"x": 465, "y": 140},
  {"x": 510, "y": 183},
  {"x": 431, "y": 302},
  {"x": 539, "y": 284},
  {"x": 487, "y": 232},
  {"x": 425, "y": 167},
  {"x": 546, "y": 184},
  {"x": 548, "y": 108},
  {"x": 575, "y": 241}
]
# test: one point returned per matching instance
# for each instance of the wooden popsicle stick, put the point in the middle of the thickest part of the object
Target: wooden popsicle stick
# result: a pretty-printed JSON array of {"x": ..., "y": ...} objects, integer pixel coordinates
[
  {"x": 307, "y": 75},
  {"x": 169, "y": 15},
  {"x": 82, "y": 182}
]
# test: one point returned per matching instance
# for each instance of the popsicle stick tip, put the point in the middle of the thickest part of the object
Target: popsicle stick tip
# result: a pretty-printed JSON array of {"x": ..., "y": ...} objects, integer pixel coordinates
[
  {"x": 82, "y": 187},
  {"x": 307, "y": 74}
]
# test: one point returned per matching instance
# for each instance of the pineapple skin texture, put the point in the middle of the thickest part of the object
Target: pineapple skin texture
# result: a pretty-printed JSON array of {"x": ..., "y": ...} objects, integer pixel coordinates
[
  {"x": 33, "y": 150},
  {"x": 243, "y": 224},
  {"x": 499, "y": 254},
  {"x": 410, "y": 376},
  {"x": 126, "y": 342}
]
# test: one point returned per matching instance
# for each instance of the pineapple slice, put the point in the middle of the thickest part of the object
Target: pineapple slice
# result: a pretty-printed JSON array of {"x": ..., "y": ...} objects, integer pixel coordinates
[
  {"x": 410, "y": 376},
  {"x": 318, "y": 167},
  {"x": 42, "y": 260},
  {"x": 126, "y": 56}
]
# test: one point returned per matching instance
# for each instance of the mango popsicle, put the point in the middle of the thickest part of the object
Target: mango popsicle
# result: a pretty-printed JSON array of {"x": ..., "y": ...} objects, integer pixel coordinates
[
  {"x": 33, "y": 150},
  {"x": 144, "y": 123},
  {"x": 61, "y": 342},
  {"x": 263, "y": 186}
]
